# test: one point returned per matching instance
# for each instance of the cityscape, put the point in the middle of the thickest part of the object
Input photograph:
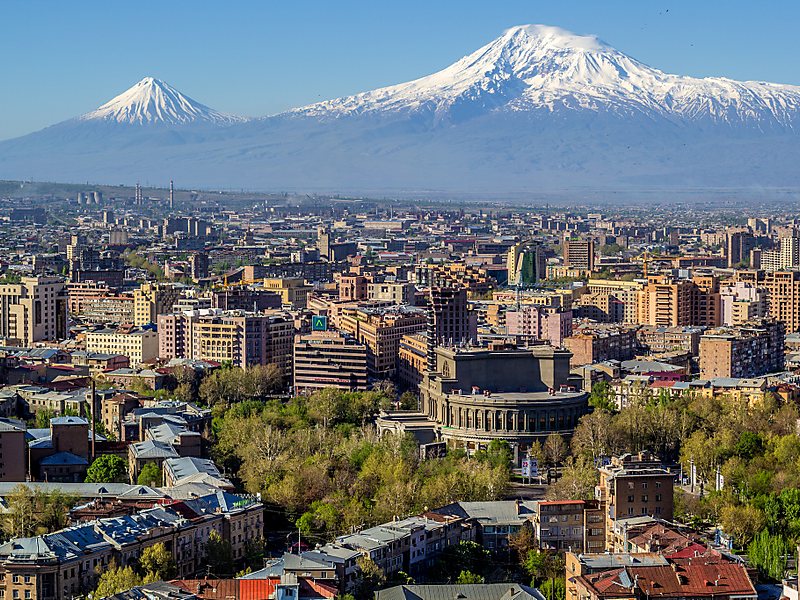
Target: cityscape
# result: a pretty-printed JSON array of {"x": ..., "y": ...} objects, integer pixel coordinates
[{"x": 370, "y": 349}]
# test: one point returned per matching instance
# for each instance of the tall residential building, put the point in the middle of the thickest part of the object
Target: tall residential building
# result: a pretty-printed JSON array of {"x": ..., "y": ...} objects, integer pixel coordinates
[
  {"x": 742, "y": 302},
  {"x": 396, "y": 292},
  {"x": 33, "y": 310},
  {"x": 740, "y": 243},
  {"x": 667, "y": 301},
  {"x": 327, "y": 359},
  {"x": 786, "y": 254},
  {"x": 153, "y": 299},
  {"x": 750, "y": 350},
  {"x": 634, "y": 486},
  {"x": 783, "y": 294},
  {"x": 380, "y": 329},
  {"x": 241, "y": 338},
  {"x": 450, "y": 322},
  {"x": 532, "y": 323},
  {"x": 579, "y": 254}
]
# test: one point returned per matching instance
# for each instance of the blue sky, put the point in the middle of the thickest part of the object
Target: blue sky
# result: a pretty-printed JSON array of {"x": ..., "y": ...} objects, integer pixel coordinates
[{"x": 59, "y": 59}]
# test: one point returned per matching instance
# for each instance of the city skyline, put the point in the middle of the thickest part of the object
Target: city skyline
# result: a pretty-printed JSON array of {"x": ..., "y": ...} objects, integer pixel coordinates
[{"x": 283, "y": 58}]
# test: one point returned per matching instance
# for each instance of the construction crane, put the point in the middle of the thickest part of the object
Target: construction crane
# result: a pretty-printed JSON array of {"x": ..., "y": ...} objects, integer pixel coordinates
[{"x": 646, "y": 257}]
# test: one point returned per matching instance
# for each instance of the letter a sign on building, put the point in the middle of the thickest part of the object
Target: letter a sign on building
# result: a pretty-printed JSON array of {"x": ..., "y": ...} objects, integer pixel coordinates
[{"x": 319, "y": 323}]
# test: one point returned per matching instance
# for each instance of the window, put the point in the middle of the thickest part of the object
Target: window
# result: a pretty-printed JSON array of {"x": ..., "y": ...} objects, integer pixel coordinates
[
  {"x": 644, "y": 485},
  {"x": 630, "y": 498},
  {"x": 658, "y": 497},
  {"x": 644, "y": 497}
]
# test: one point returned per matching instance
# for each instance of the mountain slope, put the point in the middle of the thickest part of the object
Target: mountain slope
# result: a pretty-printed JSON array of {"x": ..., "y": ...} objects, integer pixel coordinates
[
  {"x": 536, "y": 109},
  {"x": 152, "y": 101}
]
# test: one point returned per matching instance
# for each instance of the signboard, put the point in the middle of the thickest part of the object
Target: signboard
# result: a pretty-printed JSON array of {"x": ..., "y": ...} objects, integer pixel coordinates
[
  {"x": 530, "y": 467},
  {"x": 319, "y": 323}
]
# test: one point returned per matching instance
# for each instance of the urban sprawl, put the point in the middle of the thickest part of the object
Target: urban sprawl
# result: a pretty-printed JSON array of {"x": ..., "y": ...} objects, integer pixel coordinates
[{"x": 297, "y": 397}]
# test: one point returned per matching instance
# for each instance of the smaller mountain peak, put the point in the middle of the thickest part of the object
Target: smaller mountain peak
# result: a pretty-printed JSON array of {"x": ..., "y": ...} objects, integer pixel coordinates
[
  {"x": 555, "y": 37},
  {"x": 152, "y": 101}
]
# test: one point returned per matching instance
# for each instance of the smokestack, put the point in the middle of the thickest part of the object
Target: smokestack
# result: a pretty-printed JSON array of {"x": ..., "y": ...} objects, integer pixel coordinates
[{"x": 171, "y": 195}]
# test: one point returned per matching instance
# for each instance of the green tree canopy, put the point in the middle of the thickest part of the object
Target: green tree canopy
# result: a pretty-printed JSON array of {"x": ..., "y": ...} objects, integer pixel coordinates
[
  {"x": 150, "y": 475},
  {"x": 107, "y": 468}
]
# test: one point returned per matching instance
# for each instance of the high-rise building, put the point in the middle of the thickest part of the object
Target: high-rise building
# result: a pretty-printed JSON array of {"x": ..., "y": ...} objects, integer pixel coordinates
[
  {"x": 532, "y": 323},
  {"x": 749, "y": 350},
  {"x": 153, "y": 299},
  {"x": 241, "y": 338},
  {"x": 667, "y": 301},
  {"x": 33, "y": 310},
  {"x": 740, "y": 243},
  {"x": 742, "y": 302},
  {"x": 526, "y": 263},
  {"x": 326, "y": 359},
  {"x": 380, "y": 329},
  {"x": 579, "y": 254},
  {"x": 450, "y": 322},
  {"x": 783, "y": 294}
]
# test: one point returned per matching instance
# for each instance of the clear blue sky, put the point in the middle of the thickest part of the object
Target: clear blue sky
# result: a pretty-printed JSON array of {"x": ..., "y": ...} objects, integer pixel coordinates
[{"x": 59, "y": 59}]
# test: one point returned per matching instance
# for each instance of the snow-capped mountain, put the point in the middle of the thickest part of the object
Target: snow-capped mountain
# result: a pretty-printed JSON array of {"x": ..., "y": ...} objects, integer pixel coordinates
[
  {"x": 535, "y": 67},
  {"x": 537, "y": 109},
  {"x": 153, "y": 101}
]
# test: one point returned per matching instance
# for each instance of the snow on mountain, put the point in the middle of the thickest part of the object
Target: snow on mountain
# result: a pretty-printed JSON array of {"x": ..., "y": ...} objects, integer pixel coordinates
[
  {"x": 154, "y": 101},
  {"x": 539, "y": 108},
  {"x": 534, "y": 67}
]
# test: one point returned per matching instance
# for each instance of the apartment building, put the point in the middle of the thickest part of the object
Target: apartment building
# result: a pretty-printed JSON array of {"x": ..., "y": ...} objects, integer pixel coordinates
[
  {"x": 660, "y": 339},
  {"x": 667, "y": 301},
  {"x": 327, "y": 359},
  {"x": 783, "y": 294},
  {"x": 578, "y": 254},
  {"x": 412, "y": 358},
  {"x": 153, "y": 299},
  {"x": 570, "y": 525},
  {"x": 597, "y": 343},
  {"x": 241, "y": 338},
  {"x": 380, "y": 330},
  {"x": 67, "y": 563},
  {"x": 33, "y": 310},
  {"x": 742, "y": 302},
  {"x": 749, "y": 350},
  {"x": 633, "y": 486},
  {"x": 531, "y": 323},
  {"x": 139, "y": 344}
]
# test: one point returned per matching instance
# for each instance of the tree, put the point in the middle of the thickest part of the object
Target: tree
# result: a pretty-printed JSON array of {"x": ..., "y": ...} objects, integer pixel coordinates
[
  {"x": 742, "y": 523},
  {"x": 768, "y": 553},
  {"x": 541, "y": 564},
  {"x": 107, "y": 468},
  {"x": 115, "y": 579},
  {"x": 554, "y": 588},
  {"x": 594, "y": 435},
  {"x": 468, "y": 577},
  {"x": 219, "y": 556},
  {"x": 523, "y": 541},
  {"x": 150, "y": 475},
  {"x": 370, "y": 577},
  {"x": 35, "y": 513},
  {"x": 555, "y": 449},
  {"x": 157, "y": 563},
  {"x": 577, "y": 481},
  {"x": 602, "y": 397}
]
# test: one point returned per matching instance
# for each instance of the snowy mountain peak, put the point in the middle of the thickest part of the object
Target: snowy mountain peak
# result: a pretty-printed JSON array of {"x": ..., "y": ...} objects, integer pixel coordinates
[
  {"x": 555, "y": 38},
  {"x": 153, "y": 101},
  {"x": 540, "y": 68}
]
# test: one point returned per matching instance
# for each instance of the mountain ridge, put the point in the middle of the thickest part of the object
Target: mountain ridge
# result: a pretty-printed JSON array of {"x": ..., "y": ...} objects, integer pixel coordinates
[{"x": 538, "y": 107}]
